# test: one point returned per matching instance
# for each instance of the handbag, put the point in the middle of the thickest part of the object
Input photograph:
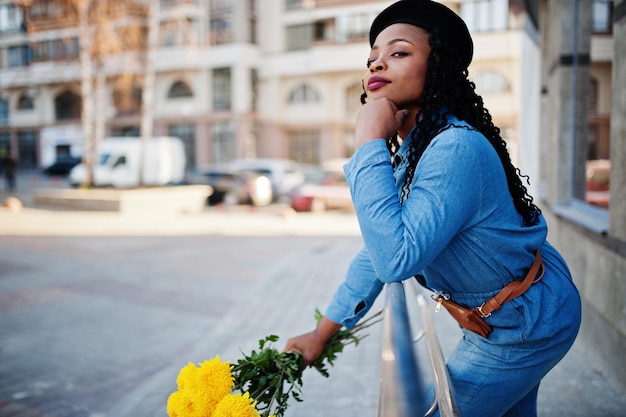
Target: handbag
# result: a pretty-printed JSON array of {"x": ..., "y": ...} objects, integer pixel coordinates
[
  {"x": 466, "y": 317},
  {"x": 473, "y": 318}
]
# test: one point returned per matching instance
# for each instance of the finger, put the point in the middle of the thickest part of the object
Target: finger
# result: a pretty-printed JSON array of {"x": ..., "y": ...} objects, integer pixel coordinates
[
  {"x": 305, "y": 361},
  {"x": 394, "y": 107},
  {"x": 401, "y": 115},
  {"x": 295, "y": 350}
]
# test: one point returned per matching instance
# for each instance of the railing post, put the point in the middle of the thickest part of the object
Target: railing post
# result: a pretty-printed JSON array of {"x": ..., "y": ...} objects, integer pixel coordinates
[
  {"x": 401, "y": 394},
  {"x": 401, "y": 391},
  {"x": 444, "y": 390}
]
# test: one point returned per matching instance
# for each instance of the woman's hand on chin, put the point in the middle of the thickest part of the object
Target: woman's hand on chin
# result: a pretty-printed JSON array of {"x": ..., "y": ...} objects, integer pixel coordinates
[{"x": 379, "y": 118}]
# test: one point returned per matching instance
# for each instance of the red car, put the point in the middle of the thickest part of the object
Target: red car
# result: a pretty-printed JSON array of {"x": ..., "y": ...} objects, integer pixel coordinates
[
  {"x": 322, "y": 190},
  {"x": 598, "y": 174}
]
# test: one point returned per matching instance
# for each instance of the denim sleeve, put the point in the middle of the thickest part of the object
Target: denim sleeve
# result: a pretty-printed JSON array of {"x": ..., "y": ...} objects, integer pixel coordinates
[
  {"x": 402, "y": 239},
  {"x": 355, "y": 296}
]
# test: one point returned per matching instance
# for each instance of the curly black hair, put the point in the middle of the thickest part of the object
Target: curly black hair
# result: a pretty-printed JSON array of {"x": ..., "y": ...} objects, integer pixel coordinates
[{"x": 447, "y": 87}]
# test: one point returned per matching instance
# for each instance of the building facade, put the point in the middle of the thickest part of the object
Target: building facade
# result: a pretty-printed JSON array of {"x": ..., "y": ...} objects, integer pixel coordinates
[
  {"x": 583, "y": 102},
  {"x": 233, "y": 79}
]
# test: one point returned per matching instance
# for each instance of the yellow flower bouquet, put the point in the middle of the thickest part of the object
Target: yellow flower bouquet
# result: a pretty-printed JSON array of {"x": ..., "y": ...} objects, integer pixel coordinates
[{"x": 259, "y": 385}]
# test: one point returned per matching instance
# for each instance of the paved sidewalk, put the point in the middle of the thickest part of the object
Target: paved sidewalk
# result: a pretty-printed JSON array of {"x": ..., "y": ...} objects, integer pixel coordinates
[{"x": 51, "y": 258}]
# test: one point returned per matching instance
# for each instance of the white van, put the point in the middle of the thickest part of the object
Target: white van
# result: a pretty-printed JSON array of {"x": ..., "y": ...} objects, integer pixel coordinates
[{"x": 118, "y": 163}]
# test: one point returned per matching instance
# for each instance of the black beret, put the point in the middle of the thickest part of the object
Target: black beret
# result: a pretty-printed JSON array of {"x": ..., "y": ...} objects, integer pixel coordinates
[{"x": 428, "y": 15}]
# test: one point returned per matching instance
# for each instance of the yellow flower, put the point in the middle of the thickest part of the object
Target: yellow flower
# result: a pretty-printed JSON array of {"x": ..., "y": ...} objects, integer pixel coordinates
[
  {"x": 236, "y": 405},
  {"x": 200, "y": 389},
  {"x": 186, "y": 376},
  {"x": 180, "y": 404}
]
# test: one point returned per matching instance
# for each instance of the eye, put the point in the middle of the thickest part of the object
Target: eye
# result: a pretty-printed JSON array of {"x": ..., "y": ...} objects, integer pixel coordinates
[
  {"x": 400, "y": 53},
  {"x": 369, "y": 62}
]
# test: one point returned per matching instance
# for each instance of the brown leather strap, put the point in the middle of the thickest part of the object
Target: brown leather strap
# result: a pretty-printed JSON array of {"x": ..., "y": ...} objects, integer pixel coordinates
[{"x": 513, "y": 289}]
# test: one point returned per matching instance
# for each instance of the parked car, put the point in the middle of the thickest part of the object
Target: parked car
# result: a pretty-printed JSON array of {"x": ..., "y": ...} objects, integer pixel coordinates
[
  {"x": 233, "y": 187},
  {"x": 284, "y": 174},
  {"x": 322, "y": 190},
  {"x": 597, "y": 182},
  {"x": 62, "y": 166}
]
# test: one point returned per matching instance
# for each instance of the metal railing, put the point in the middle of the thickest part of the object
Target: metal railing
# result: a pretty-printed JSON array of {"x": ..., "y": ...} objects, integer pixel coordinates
[{"x": 402, "y": 393}]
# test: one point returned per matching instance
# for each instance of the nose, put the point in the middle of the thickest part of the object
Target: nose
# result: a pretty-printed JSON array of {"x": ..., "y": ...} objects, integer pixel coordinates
[{"x": 377, "y": 65}]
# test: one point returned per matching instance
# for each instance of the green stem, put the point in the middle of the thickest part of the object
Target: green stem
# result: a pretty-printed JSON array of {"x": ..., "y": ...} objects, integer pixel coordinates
[
  {"x": 280, "y": 384},
  {"x": 285, "y": 359}
]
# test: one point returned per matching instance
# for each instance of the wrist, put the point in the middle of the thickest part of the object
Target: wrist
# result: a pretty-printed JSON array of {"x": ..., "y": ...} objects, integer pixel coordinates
[{"x": 326, "y": 329}]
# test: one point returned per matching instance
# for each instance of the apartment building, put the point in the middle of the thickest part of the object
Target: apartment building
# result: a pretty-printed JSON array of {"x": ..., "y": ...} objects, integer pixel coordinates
[
  {"x": 237, "y": 79},
  {"x": 205, "y": 69}
]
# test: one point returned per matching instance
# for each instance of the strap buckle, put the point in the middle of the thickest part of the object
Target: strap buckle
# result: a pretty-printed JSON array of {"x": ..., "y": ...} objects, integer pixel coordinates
[
  {"x": 439, "y": 297},
  {"x": 480, "y": 310}
]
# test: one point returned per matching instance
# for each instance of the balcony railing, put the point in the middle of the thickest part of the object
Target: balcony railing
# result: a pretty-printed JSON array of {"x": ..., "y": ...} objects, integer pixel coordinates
[{"x": 402, "y": 393}]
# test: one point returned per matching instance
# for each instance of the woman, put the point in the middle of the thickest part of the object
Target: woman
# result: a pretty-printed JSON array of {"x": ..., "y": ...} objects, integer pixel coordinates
[{"x": 437, "y": 197}]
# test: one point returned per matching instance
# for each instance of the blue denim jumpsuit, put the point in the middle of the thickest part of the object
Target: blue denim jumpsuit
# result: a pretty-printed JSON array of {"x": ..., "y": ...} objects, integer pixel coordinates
[{"x": 459, "y": 229}]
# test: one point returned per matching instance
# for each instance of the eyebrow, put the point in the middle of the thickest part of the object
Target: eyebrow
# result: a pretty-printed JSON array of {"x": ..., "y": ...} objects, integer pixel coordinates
[{"x": 391, "y": 42}]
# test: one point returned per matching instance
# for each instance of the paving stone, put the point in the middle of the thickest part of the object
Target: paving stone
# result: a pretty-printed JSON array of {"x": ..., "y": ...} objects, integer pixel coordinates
[{"x": 98, "y": 320}]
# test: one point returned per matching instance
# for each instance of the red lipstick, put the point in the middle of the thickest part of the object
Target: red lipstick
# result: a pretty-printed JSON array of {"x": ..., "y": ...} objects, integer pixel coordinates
[{"x": 376, "y": 82}]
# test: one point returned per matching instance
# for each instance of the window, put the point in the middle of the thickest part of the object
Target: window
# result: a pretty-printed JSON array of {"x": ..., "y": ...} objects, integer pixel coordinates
[
  {"x": 180, "y": 32},
  {"x": 27, "y": 150},
  {"x": 43, "y": 50},
  {"x": 179, "y": 89},
  {"x": 71, "y": 47},
  {"x": 223, "y": 143},
  {"x": 579, "y": 103},
  {"x": 56, "y": 49},
  {"x": 293, "y": 4},
  {"x": 303, "y": 94},
  {"x": 4, "y": 112},
  {"x": 485, "y": 15},
  {"x": 25, "y": 103},
  {"x": 63, "y": 151},
  {"x": 5, "y": 144},
  {"x": 127, "y": 100},
  {"x": 252, "y": 21},
  {"x": 602, "y": 16},
  {"x": 324, "y": 30},
  {"x": 221, "y": 25},
  {"x": 11, "y": 19},
  {"x": 298, "y": 4},
  {"x": 67, "y": 105},
  {"x": 169, "y": 3},
  {"x": 104, "y": 158},
  {"x": 353, "y": 99},
  {"x": 492, "y": 82},
  {"x": 254, "y": 91},
  {"x": 186, "y": 133},
  {"x": 350, "y": 27},
  {"x": 167, "y": 34},
  {"x": 47, "y": 9},
  {"x": 304, "y": 146},
  {"x": 349, "y": 143},
  {"x": 299, "y": 37},
  {"x": 19, "y": 56},
  {"x": 222, "y": 89},
  {"x": 121, "y": 161},
  {"x": 126, "y": 131},
  {"x": 598, "y": 165},
  {"x": 593, "y": 96},
  {"x": 221, "y": 31}
]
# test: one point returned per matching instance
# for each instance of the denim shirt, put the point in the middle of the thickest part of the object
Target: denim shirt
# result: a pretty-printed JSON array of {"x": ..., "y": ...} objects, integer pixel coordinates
[{"x": 458, "y": 227}]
